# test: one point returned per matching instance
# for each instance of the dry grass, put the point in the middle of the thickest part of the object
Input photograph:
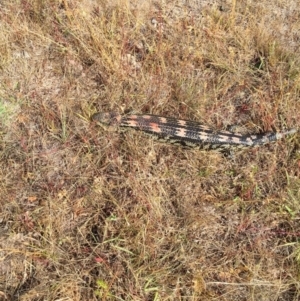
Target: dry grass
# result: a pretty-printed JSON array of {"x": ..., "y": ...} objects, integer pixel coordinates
[{"x": 95, "y": 214}]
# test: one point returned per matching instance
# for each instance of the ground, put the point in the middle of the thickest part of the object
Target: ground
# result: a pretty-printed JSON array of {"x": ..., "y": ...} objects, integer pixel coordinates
[{"x": 89, "y": 212}]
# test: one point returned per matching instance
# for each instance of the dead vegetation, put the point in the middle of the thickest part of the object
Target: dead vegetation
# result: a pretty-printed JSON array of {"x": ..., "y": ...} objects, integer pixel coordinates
[{"x": 96, "y": 214}]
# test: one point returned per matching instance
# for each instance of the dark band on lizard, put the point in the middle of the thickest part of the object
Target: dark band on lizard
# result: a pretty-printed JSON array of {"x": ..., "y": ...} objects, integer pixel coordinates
[{"x": 186, "y": 132}]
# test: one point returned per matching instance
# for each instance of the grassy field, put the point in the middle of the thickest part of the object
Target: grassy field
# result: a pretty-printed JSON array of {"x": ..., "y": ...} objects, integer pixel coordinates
[{"x": 93, "y": 213}]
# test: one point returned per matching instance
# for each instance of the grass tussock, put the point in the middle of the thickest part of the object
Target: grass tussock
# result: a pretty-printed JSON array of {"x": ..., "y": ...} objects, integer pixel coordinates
[{"x": 89, "y": 213}]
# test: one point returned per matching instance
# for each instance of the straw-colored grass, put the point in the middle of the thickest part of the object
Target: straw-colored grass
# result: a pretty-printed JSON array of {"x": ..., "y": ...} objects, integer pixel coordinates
[{"x": 94, "y": 213}]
